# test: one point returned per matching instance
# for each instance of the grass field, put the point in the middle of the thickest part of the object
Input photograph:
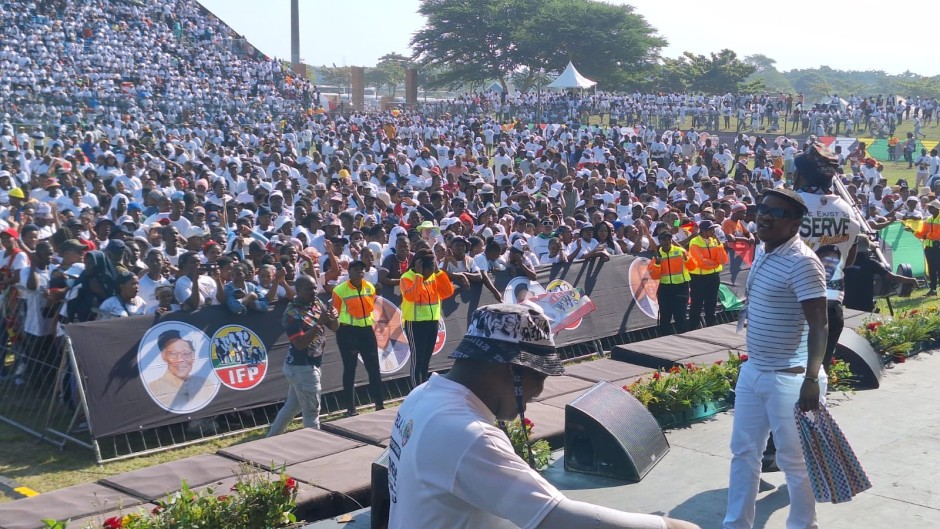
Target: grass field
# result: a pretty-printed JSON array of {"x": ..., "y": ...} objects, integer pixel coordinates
[{"x": 43, "y": 467}]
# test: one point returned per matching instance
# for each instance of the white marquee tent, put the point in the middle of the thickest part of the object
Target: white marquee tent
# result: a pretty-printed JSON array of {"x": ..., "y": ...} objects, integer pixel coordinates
[{"x": 570, "y": 78}]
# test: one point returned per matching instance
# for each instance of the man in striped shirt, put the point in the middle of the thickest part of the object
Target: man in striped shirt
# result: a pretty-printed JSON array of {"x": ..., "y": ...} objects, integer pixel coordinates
[{"x": 786, "y": 341}]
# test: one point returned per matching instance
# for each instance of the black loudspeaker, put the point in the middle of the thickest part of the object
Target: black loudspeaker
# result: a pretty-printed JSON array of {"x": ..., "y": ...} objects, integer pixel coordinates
[
  {"x": 609, "y": 433},
  {"x": 904, "y": 269},
  {"x": 864, "y": 362},
  {"x": 380, "y": 500}
]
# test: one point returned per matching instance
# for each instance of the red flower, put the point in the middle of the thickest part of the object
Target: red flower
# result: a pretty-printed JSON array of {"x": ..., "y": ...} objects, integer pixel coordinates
[
  {"x": 914, "y": 312},
  {"x": 529, "y": 423},
  {"x": 114, "y": 522},
  {"x": 656, "y": 375},
  {"x": 289, "y": 486},
  {"x": 833, "y": 361},
  {"x": 744, "y": 358},
  {"x": 157, "y": 510},
  {"x": 223, "y": 498},
  {"x": 691, "y": 367},
  {"x": 675, "y": 369},
  {"x": 873, "y": 326},
  {"x": 719, "y": 362}
]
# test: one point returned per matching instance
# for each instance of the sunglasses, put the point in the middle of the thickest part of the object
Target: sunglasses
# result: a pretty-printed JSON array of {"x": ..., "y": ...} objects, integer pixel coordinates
[{"x": 777, "y": 213}]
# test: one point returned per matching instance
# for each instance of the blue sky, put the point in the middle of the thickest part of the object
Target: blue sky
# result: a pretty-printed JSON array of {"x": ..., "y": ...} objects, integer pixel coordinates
[{"x": 843, "y": 34}]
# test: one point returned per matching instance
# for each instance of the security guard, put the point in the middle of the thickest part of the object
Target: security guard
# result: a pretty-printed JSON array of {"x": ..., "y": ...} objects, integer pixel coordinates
[
  {"x": 423, "y": 287},
  {"x": 354, "y": 300},
  {"x": 709, "y": 255},
  {"x": 671, "y": 266},
  {"x": 929, "y": 232}
]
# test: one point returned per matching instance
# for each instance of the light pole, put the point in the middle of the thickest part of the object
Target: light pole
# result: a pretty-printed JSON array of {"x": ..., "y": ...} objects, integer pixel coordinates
[{"x": 538, "y": 102}]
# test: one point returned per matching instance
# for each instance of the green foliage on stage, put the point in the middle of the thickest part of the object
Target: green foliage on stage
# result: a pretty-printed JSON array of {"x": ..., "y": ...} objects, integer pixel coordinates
[{"x": 473, "y": 42}]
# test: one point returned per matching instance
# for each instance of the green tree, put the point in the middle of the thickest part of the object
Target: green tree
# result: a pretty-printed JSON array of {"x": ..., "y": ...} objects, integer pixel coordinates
[
  {"x": 476, "y": 41},
  {"x": 610, "y": 44},
  {"x": 470, "y": 41},
  {"x": 717, "y": 73},
  {"x": 388, "y": 72},
  {"x": 340, "y": 76}
]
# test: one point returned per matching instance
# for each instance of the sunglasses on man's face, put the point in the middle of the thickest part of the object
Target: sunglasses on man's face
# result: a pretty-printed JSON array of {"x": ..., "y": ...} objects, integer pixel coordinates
[{"x": 777, "y": 213}]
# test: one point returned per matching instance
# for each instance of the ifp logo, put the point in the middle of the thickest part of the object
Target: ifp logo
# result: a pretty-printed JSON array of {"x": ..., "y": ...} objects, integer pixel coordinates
[{"x": 239, "y": 357}]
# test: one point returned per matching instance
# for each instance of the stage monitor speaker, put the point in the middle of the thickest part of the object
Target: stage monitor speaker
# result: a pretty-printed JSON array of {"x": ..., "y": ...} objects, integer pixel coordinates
[
  {"x": 904, "y": 269},
  {"x": 609, "y": 433},
  {"x": 380, "y": 500},
  {"x": 864, "y": 362}
]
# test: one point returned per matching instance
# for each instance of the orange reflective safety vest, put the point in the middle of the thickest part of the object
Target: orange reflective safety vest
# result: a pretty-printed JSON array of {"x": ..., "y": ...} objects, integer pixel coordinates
[
  {"x": 674, "y": 267},
  {"x": 929, "y": 231},
  {"x": 707, "y": 254},
  {"x": 354, "y": 306},
  {"x": 421, "y": 297}
]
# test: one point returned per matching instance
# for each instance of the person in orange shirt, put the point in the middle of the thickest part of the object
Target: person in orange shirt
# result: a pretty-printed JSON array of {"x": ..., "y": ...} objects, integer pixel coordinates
[
  {"x": 354, "y": 300},
  {"x": 423, "y": 287},
  {"x": 709, "y": 255},
  {"x": 929, "y": 232}
]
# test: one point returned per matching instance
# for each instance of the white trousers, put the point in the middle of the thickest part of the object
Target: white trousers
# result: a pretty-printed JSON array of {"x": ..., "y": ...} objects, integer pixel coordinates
[{"x": 763, "y": 403}]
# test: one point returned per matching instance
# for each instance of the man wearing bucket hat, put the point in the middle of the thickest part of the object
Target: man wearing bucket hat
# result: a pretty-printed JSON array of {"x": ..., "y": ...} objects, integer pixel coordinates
[{"x": 454, "y": 467}]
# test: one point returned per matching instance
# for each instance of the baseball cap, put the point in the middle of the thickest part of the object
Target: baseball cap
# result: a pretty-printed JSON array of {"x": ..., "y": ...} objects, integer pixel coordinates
[
  {"x": 510, "y": 334},
  {"x": 73, "y": 245}
]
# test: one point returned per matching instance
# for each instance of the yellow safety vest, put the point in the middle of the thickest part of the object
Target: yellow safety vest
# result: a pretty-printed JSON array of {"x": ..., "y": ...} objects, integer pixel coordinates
[
  {"x": 421, "y": 297},
  {"x": 714, "y": 250},
  {"x": 673, "y": 269},
  {"x": 354, "y": 306}
]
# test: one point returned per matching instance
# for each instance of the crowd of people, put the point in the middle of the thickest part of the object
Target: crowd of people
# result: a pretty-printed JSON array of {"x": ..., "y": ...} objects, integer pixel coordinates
[{"x": 170, "y": 171}]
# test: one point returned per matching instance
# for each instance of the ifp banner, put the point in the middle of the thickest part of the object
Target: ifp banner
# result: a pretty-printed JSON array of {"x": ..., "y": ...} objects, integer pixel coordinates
[{"x": 145, "y": 372}]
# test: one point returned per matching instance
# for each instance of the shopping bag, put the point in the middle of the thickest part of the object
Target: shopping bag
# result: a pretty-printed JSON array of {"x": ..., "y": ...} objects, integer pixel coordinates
[{"x": 834, "y": 471}]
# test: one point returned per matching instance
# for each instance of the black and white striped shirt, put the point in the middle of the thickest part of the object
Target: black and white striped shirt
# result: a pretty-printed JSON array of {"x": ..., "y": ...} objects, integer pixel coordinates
[{"x": 779, "y": 281}]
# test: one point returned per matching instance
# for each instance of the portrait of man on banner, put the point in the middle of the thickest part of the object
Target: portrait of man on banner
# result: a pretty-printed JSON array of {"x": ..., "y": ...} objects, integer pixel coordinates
[
  {"x": 175, "y": 367},
  {"x": 390, "y": 336}
]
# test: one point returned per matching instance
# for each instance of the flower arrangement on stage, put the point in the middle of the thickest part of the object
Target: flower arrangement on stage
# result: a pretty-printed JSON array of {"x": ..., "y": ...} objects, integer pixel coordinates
[
  {"x": 907, "y": 334},
  {"x": 541, "y": 451},
  {"x": 254, "y": 502},
  {"x": 696, "y": 391},
  {"x": 683, "y": 387}
]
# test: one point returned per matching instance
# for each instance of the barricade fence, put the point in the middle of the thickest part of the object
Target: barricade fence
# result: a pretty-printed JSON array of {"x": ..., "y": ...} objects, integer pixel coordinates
[{"x": 103, "y": 384}]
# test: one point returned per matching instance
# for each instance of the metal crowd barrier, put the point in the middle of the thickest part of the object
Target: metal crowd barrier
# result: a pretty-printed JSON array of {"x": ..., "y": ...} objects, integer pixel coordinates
[{"x": 40, "y": 395}]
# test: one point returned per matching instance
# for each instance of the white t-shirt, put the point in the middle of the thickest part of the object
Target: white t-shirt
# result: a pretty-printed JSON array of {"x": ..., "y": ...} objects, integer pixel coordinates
[
  {"x": 113, "y": 308},
  {"x": 36, "y": 323},
  {"x": 148, "y": 290},
  {"x": 450, "y": 466},
  {"x": 830, "y": 223},
  {"x": 207, "y": 290}
]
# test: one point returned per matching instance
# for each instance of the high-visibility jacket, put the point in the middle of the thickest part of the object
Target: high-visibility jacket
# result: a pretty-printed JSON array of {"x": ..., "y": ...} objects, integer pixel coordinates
[
  {"x": 674, "y": 267},
  {"x": 421, "y": 297},
  {"x": 354, "y": 306},
  {"x": 707, "y": 254},
  {"x": 929, "y": 231}
]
